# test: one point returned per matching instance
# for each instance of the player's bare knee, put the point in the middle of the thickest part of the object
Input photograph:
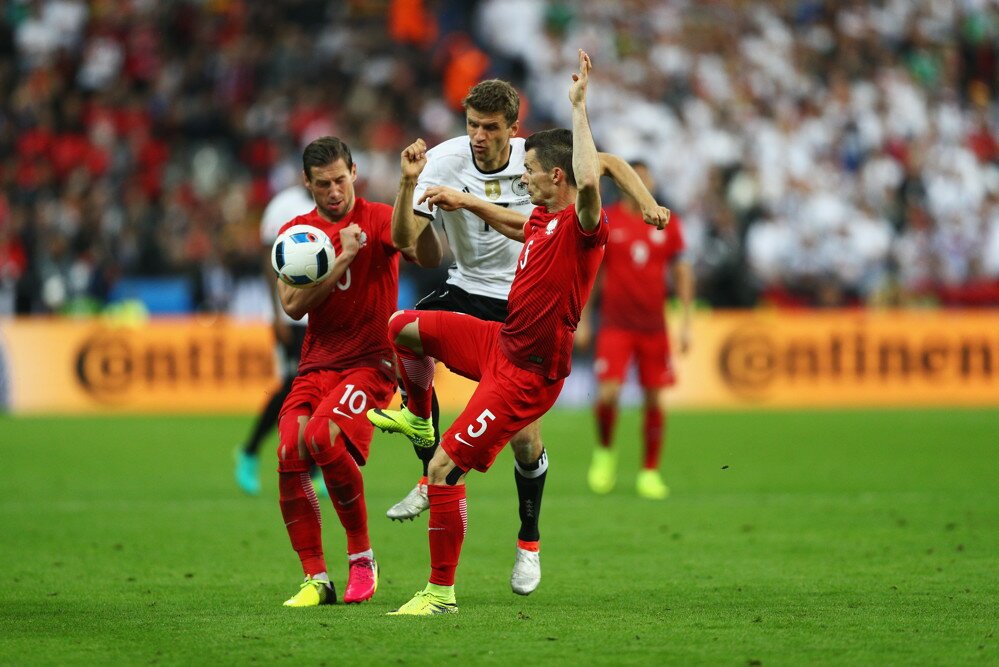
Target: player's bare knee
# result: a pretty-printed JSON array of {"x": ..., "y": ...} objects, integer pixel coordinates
[
  {"x": 608, "y": 393},
  {"x": 527, "y": 447},
  {"x": 526, "y": 443}
]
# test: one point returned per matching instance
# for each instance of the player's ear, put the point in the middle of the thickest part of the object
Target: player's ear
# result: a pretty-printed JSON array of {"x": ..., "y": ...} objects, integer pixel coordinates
[
  {"x": 305, "y": 181},
  {"x": 353, "y": 172},
  {"x": 557, "y": 175},
  {"x": 515, "y": 128}
]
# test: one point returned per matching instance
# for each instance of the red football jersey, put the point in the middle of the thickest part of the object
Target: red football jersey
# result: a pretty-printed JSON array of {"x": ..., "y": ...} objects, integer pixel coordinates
[
  {"x": 634, "y": 271},
  {"x": 350, "y": 328},
  {"x": 554, "y": 277}
]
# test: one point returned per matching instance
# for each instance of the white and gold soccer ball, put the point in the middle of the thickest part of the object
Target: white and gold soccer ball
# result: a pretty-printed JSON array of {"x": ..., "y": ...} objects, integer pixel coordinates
[{"x": 302, "y": 256}]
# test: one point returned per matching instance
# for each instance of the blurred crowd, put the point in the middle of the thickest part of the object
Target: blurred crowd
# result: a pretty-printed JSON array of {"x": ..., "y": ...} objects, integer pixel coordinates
[
  {"x": 822, "y": 153},
  {"x": 819, "y": 153}
]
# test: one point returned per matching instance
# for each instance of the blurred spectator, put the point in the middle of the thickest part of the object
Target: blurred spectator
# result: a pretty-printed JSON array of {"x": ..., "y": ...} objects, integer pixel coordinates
[
  {"x": 145, "y": 138},
  {"x": 13, "y": 259}
]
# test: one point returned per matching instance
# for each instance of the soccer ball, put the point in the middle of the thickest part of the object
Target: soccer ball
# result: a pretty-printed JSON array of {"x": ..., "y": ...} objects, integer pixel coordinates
[{"x": 302, "y": 256}]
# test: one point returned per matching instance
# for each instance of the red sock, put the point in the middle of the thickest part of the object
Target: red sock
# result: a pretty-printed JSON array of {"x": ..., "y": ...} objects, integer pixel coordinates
[
  {"x": 300, "y": 509},
  {"x": 529, "y": 546},
  {"x": 606, "y": 416},
  {"x": 416, "y": 370},
  {"x": 417, "y": 377},
  {"x": 346, "y": 486},
  {"x": 446, "y": 529},
  {"x": 654, "y": 420}
]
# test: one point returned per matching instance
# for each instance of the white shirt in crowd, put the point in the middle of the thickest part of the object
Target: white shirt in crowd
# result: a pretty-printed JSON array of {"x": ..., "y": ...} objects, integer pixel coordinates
[{"x": 290, "y": 203}]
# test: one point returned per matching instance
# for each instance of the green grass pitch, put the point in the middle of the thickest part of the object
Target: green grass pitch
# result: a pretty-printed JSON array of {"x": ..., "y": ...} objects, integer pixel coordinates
[{"x": 813, "y": 537}]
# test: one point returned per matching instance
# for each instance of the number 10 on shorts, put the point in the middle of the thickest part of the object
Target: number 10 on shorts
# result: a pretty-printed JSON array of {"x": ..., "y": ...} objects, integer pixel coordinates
[
  {"x": 474, "y": 431},
  {"x": 355, "y": 401}
]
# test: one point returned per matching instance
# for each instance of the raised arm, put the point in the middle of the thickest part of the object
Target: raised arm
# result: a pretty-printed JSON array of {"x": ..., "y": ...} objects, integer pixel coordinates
[
  {"x": 585, "y": 164},
  {"x": 428, "y": 251},
  {"x": 506, "y": 221},
  {"x": 406, "y": 225},
  {"x": 630, "y": 183}
]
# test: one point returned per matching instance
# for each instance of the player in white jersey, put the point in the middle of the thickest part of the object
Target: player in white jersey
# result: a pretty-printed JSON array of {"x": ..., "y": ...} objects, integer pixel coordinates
[
  {"x": 486, "y": 165},
  {"x": 288, "y": 336},
  {"x": 484, "y": 259}
]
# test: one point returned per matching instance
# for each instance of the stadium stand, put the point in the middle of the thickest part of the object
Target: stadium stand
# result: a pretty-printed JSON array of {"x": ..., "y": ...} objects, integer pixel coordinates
[{"x": 822, "y": 154}]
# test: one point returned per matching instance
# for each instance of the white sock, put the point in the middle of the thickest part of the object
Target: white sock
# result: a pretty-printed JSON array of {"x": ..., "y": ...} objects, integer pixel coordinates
[
  {"x": 322, "y": 576},
  {"x": 364, "y": 554},
  {"x": 541, "y": 466}
]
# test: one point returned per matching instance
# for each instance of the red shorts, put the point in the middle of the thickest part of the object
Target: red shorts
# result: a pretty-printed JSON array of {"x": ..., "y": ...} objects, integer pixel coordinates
[
  {"x": 615, "y": 348},
  {"x": 507, "y": 399},
  {"x": 345, "y": 396}
]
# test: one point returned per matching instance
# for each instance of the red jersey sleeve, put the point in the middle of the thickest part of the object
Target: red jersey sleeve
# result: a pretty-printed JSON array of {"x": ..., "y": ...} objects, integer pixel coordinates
[{"x": 596, "y": 236}]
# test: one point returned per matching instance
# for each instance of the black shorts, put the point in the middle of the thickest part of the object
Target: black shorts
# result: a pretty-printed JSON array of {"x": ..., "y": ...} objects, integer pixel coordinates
[{"x": 456, "y": 300}]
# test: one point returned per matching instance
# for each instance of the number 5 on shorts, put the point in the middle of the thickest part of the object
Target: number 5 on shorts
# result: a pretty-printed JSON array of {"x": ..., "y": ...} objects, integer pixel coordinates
[{"x": 474, "y": 432}]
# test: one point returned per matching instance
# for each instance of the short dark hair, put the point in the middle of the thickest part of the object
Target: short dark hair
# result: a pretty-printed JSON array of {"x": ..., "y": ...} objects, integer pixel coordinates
[
  {"x": 494, "y": 96},
  {"x": 554, "y": 149},
  {"x": 324, "y": 151}
]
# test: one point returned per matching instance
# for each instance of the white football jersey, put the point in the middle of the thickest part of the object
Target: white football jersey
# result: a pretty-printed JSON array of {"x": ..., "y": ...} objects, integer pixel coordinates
[
  {"x": 484, "y": 259},
  {"x": 290, "y": 203}
]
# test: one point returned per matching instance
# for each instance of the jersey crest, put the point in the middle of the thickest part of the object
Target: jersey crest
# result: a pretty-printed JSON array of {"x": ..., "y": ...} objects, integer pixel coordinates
[{"x": 492, "y": 190}]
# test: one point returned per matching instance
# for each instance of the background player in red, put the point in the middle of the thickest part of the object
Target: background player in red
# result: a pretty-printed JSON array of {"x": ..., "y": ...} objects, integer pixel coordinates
[
  {"x": 633, "y": 325},
  {"x": 520, "y": 364},
  {"x": 346, "y": 367}
]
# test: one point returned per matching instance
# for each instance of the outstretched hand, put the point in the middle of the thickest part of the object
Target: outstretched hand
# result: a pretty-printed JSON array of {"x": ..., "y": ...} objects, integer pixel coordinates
[
  {"x": 413, "y": 159},
  {"x": 445, "y": 198},
  {"x": 577, "y": 91}
]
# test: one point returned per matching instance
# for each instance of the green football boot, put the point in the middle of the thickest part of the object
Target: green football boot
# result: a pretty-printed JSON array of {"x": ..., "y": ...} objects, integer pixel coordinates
[{"x": 419, "y": 430}]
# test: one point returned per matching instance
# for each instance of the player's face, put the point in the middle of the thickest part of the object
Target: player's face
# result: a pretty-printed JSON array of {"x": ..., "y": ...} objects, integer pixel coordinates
[
  {"x": 540, "y": 185},
  {"x": 332, "y": 187},
  {"x": 490, "y": 138}
]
